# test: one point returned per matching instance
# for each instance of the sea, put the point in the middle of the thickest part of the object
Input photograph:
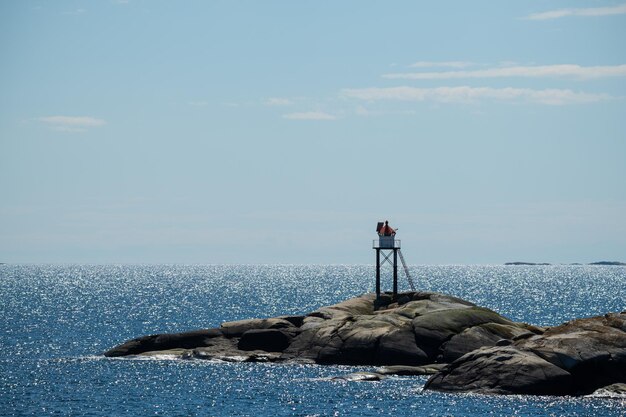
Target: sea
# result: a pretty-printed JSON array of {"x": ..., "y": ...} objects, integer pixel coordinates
[{"x": 57, "y": 320}]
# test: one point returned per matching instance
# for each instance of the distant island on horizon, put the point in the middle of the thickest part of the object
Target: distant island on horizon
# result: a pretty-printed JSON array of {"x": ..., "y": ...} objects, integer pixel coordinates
[{"x": 601, "y": 263}]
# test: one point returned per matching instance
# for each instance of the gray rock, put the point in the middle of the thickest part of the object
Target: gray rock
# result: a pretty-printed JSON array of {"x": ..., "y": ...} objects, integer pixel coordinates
[
  {"x": 360, "y": 376},
  {"x": 405, "y": 370},
  {"x": 350, "y": 332},
  {"x": 575, "y": 358},
  {"x": 232, "y": 355},
  {"x": 611, "y": 391},
  {"x": 502, "y": 370},
  {"x": 311, "y": 323},
  {"x": 398, "y": 347},
  {"x": 487, "y": 352},
  {"x": 593, "y": 350},
  {"x": 363, "y": 305},
  {"x": 355, "y": 342},
  {"x": 158, "y": 342},
  {"x": 239, "y": 327},
  {"x": 419, "y": 307},
  {"x": 489, "y": 334},
  {"x": 320, "y": 343},
  {"x": 432, "y": 330},
  {"x": 178, "y": 353}
]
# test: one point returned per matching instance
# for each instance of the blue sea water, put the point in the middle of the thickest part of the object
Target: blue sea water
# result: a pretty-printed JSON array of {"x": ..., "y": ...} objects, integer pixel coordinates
[{"x": 55, "y": 321}]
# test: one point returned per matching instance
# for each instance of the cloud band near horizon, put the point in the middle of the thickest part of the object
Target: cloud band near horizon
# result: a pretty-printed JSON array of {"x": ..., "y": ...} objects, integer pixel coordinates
[
  {"x": 466, "y": 94},
  {"x": 565, "y": 70},
  {"x": 581, "y": 12},
  {"x": 71, "y": 123}
]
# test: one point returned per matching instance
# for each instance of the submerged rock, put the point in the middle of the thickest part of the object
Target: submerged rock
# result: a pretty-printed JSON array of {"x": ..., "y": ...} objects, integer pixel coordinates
[
  {"x": 421, "y": 333},
  {"x": 405, "y": 370},
  {"x": 360, "y": 376},
  {"x": 611, "y": 391}
]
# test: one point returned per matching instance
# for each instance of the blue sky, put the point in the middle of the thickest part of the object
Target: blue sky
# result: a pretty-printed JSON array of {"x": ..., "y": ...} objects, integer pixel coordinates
[{"x": 282, "y": 131}]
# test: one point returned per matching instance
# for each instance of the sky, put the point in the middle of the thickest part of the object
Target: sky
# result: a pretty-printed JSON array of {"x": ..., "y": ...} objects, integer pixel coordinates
[{"x": 282, "y": 131}]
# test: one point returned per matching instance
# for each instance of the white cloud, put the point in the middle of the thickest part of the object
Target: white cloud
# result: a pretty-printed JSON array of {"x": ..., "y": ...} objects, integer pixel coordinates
[
  {"x": 566, "y": 70},
  {"x": 278, "y": 101},
  {"x": 592, "y": 11},
  {"x": 71, "y": 123},
  {"x": 467, "y": 94},
  {"x": 434, "y": 64},
  {"x": 311, "y": 115}
]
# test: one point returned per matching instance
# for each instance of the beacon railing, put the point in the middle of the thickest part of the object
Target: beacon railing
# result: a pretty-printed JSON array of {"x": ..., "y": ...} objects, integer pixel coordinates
[{"x": 386, "y": 242}]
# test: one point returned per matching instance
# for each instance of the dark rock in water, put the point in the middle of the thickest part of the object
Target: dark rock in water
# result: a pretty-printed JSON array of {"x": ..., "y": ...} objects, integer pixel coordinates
[
  {"x": 593, "y": 350},
  {"x": 486, "y": 352},
  {"x": 360, "y": 376},
  {"x": 410, "y": 332},
  {"x": 609, "y": 263},
  {"x": 186, "y": 340},
  {"x": 502, "y": 370},
  {"x": 574, "y": 358},
  {"x": 405, "y": 370},
  {"x": 269, "y": 340}
]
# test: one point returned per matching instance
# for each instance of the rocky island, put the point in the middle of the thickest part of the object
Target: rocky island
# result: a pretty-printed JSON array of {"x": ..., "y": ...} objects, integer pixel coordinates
[{"x": 467, "y": 348}]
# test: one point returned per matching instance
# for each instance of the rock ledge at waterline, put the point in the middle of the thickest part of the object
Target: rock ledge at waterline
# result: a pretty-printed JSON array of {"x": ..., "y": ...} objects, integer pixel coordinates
[{"x": 484, "y": 351}]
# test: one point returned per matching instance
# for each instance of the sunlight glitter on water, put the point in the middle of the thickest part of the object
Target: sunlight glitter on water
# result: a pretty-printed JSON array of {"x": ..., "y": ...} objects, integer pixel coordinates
[{"x": 56, "y": 320}]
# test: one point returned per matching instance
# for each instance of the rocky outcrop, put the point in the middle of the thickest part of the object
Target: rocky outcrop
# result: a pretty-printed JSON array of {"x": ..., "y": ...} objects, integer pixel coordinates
[
  {"x": 419, "y": 333},
  {"x": 420, "y": 328},
  {"x": 162, "y": 342},
  {"x": 502, "y": 370},
  {"x": 574, "y": 358}
]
